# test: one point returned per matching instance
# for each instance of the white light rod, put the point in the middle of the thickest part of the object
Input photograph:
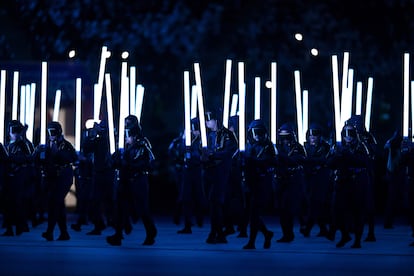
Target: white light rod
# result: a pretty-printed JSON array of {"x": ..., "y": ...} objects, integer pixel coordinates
[
  {"x": 187, "y": 106},
  {"x": 203, "y": 130},
  {"x": 110, "y": 108},
  {"x": 358, "y": 104},
  {"x": 337, "y": 111},
  {"x": 368, "y": 107},
  {"x": 234, "y": 104},
  {"x": 43, "y": 102},
  {"x": 273, "y": 103},
  {"x": 227, "y": 94},
  {"x": 15, "y": 102},
  {"x": 2, "y": 104},
  {"x": 406, "y": 94},
  {"x": 257, "y": 98}
]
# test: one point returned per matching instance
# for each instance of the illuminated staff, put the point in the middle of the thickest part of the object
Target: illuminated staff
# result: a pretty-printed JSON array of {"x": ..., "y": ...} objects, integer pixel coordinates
[
  {"x": 27, "y": 104},
  {"x": 368, "y": 107},
  {"x": 406, "y": 94},
  {"x": 22, "y": 116},
  {"x": 345, "y": 75},
  {"x": 105, "y": 54},
  {"x": 299, "y": 116},
  {"x": 358, "y": 103},
  {"x": 15, "y": 94},
  {"x": 187, "y": 107},
  {"x": 305, "y": 114},
  {"x": 227, "y": 85},
  {"x": 412, "y": 111},
  {"x": 234, "y": 103},
  {"x": 346, "y": 97},
  {"x": 78, "y": 114},
  {"x": 193, "y": 101},
  {"x": 139, "y": 101},
  {"x": 337, "y": 107},
  {"x": 132, "y": 90},
  {"x": 124, "y": 101},
  {"x": 31, "y": 109},
  {"x": 110, "y": 109},
  {"x": 273, "y": 102},
  {"x": 2, "y": 104},
  {"x": 257, "y": 98},
  {"x": 242, "y": 104},
  {"x": 203, "y": 130},
  {"x": 43, "y": 97},
  {"x": 56, "y": 108}
]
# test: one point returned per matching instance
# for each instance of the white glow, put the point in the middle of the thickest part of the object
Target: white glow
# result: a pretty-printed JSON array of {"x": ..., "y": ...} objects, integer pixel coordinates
[
  {"x": 273, "y": 102},
  {"x": 347, "y": 96},
  {"x": 193, "y": 101},
  {"x": 203, "y": 130},
  {"x": 358, "y": 104},
  {"x": 78, "y": 114},
  {"x": 368, "y": 107},
  {"x": 268, "y": 84},
  {"x": 2, "y": 104},
  {"x": 29, "y": 112},
  {"x": 89, "y": 123},
  {"x": 412, "y": 111},
  {"x": 125, "y": 54},
  {"x": 242, "y": 106},
  {"x": 227, "y": 94},
  {"x": 110, "y": 108},
  {"x": 314, "y": 52},
  {"x": 345, "y": 71},
  {"x": 22, "y": 117},
  {"x": 305, "y": 109},
  {"x": 139, "y": 98},
  {"x": 298, "y": 36},
  {"x": 234, "y": 104},
  {"x": 56, "y": 108},
  {"x": 132, "y": 89},
  {"x": 257, "y": 98},
  {"x": 406, "y": 106},
  {"x": 72, "y": 53},
  {"x": 299, "y": 116},
  {"x": 187, "y": 119},
  {"x": 98, "y": 90},
  {"x": 335, "y": 80},
  {"x": 15, "y": 103},
  {"x": 43, "y": 103},
  {"x": 124, "y": 104}
]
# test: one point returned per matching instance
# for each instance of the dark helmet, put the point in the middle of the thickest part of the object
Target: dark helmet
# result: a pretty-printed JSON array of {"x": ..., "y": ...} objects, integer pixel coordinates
[
  {"x": 195, "y": 124},
  {"x": 314, "y": 130},
  {"x": 16, "y": 127},
  {"x": 210, "y": 115},
  {"x": 349, "y": 134},
  {"x": 132, "y": 126},
  {"x": 257, "y": 129},
  {"x": 54, "y": 129},
  {"x": 357, "y": 122},
  {"x": 286, "y": 132}
]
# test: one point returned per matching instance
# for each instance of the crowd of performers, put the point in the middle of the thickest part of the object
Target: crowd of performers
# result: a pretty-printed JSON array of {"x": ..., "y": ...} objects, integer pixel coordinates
[{"x": 327, "y": 185}]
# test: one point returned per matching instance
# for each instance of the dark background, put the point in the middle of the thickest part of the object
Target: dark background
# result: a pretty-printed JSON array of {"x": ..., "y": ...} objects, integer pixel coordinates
[{"x": 165, "y": 38}]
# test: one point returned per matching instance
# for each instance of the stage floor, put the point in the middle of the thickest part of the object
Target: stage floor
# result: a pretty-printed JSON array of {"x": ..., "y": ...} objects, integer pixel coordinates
[{"x": 174, "y": 254}]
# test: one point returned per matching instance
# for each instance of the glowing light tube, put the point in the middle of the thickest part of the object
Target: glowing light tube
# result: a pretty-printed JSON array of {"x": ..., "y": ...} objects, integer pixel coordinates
[
  {"x": 234, "y": 104},
  {"x": 98, "y": 91},
  {"x": 43, "y": 97},
  {"x": 273, "y": 103},
  {"x": 257, "y": 98},
  {"x": 299, "y": 116},
  {"x": 346, "y": 108},
  {"x": 242, "y": 105},
  {"x": 124, "y": 104},
  {"x": 358, "y": 103},
  {"x": 345, "y": 73},
  {"x": 412, "y": 111},
  {"x": 30, "y": 109},
  {"x": 337, "y": 111},
  {"x": 56, "y": 108},
  {"x": 203, "y": 130},
  {"x": 227, "y": 84},
  {"x": 22, "y": 117},
  {"x": 193, "y": 101},
  {"x": 139, "y": 101},
  {"x": 132, "y": 90},
  {"x": 406, "y": 106},
  {"x": 110, "y": 109},
  {"x": 2, "y": 104},
  {"x": 368, "y": 107},
  {"x": 187, "y": 119},
  {"x": 305, "y": 109},
  {"x": 78, "y": 114},
  {"x": 15, "y": 95}
]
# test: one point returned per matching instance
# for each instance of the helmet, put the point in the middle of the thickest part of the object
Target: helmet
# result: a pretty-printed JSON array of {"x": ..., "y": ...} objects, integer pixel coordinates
[
  {"x": 210, "y": 115},
  {"x": 54, "y": 129},
  {"x": 349, "y": 135},
  {"x": 315, "y": 131},
  {"x": 132, "y": 126},
  {"x": 195, "y": 124},
  {"x": 257, "y": 131},
  {"x": 357, "y": 122},
  {"x": 286, "y": 133},
  {"x": 16, "y": 127}
]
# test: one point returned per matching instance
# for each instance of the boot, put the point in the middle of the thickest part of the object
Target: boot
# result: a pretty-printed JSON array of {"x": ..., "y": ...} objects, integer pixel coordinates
[
  {"x": 48, "y": 235},
  {"x": 114, "y": 240},
  {"x": 268, "y": 239},
  {"x": 64, "y": 236}
]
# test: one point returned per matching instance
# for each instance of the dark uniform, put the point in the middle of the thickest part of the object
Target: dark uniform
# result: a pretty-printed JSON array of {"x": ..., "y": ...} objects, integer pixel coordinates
[
  {"x": 134, "y": 165},
  {"x": 3, "y": 173},
  {"x": 18, "y": 176},
  {"x": 259, "y": 159},
  {"x": 317, "y": 181},
  {"x": 351, "y": 163},
  {"x": 57, "y": 157},
  {"x": 191, "y": 193},
  {"x": 289, "y": 180},
  {"x": 217, "y": 161}
]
